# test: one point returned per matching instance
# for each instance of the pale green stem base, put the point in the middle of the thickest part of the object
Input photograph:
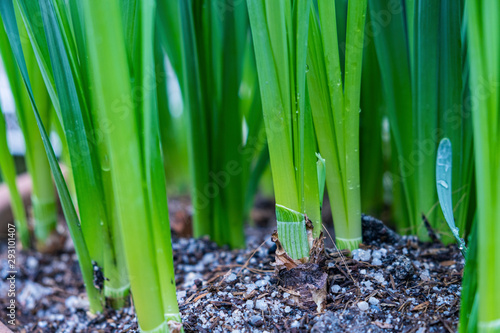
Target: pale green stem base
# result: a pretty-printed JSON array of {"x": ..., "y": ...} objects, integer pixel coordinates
[
  {"x": 293, "y": 236},
  {"x": 23, "y": 231},
  {"x": 489, "y": 326},
  {"x": 172, "y": 322},
  {"x": 117, "y": 297},
  {"x": 348, "y": 243},
  {"x": 45, "y": 217},
  {"x": 292, "y": 232}
]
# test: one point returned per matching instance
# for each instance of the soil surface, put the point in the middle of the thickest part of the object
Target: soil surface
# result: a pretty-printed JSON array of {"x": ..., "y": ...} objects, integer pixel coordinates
[{"x": 400, "y": 285}]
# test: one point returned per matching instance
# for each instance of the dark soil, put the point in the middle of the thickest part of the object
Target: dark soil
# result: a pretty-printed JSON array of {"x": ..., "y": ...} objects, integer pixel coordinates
[{"x": 399, "y": 286}]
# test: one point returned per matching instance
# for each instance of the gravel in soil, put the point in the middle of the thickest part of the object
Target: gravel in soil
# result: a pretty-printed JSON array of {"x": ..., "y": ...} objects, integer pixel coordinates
[{"x": 403, "y": 286}]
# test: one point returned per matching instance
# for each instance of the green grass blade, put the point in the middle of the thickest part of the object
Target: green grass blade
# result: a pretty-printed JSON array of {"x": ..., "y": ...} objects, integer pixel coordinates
[
  {"x": 485, "y": 73},
  {"x": 197, "y": 131},
  {"x": 395, "y": 66},
  {"x": 426, "y": 92},
  {"x": 335, "y": 106},
  {"x": 324, "y": 123},
  {"x": 371, "y": 147},
  {"x": 275, "y": 113},
  {"x": 469, "y": 299},
  {"x": 153, "y": 163},
  {"x": 110, "y": 80},
  {"x": 89, "y": 174},
  {"x": 8, "y": 16},
  {"x": 352, "y": 92},
  {"x": 89, "y": 197},
  {"x": 280, "y": 31},
  {"x": 43, "y": 194},
  {"x": 331, "y": 57},
  {"x": 8, "y": 172},
  {"x": 228, "y": 127}
]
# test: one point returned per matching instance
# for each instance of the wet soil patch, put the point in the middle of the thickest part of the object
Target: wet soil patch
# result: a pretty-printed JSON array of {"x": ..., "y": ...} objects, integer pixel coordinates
[{"x": 400, "y": 285}]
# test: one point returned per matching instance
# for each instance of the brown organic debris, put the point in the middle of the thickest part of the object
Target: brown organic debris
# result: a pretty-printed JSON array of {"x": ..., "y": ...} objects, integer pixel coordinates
[{"x": 305, "y": 280}]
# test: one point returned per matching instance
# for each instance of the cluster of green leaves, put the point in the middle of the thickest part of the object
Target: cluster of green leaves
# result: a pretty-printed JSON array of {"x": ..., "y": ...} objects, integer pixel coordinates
[
  {"x": 43, "y": 197},
  {"x": 103, "y": 66},
  {"x": 209, "y": 46},
  {"x": 8, "y": 171},
  {"x": 422, "y": 57},
  {"x": 480, "y": 307},
  {"x": 280, "y": 33},
  {"x": 97, "y": 62},
  {"x": 334, "y": 88}
]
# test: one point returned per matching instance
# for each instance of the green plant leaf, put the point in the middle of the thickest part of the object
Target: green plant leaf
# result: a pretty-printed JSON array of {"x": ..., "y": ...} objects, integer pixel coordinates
[
  {"x": 444, "y": 188},
  {"x": 8, "y": 16},
  {"x": 292, "y": 232}
]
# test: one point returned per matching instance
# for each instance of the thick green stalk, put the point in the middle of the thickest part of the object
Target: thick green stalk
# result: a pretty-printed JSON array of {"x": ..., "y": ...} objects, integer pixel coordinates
[
  {"x": 88, "y": 171},
  {"x": 335, "y": 105},
  {"x": 280, "y": 30},
  {"x": 213, "y": 46},
  {"x": 454, "y": 121},
  {"x": 109, "y": 73},
  {"x": 465, "y": 199},
  {"x": 8, "y": 171},
  {"x": 153, "y": 163},
  {"x": 372, "y": 163},
  {"x": 43, "y": 195},
  {"x": 426, "y": 79},
  {"x": 485, "y": 77},
  {"x": 328, "y": 128},
  {"x": 229, "y": 204},
  {"x": 393, "y": 46},
  {"x": 76, "y": 126},
  {"x": 352, "y": 91},
  {"x": 468, "y": 312},
  {"x": 172, "y": 127},
  {"x": 117, "y": 285},
  {"x": 9, "y": 20},
  {"x": 198, "y": 147},
  {"x": 275, "y": 113}
]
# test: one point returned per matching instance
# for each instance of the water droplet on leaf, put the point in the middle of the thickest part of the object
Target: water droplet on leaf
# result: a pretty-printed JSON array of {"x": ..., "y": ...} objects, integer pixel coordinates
[{"x": 443, "y": 183}]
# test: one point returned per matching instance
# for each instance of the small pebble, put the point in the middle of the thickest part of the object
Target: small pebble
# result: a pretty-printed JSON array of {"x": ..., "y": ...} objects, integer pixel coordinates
[
  {"x": 363, "y": 306},
  {"x": 373, "y": 301},
  {"x": 31, "y": 263},
  {"x": 379, "y": 277},
  {"x": 288, "y": 309},
  {"x": 367, "y": 284},
  {"x": 232, "y": 277},
  {"x": 335, "y": 288},
  {"x": 251, "y": 287},
  {"x": 249, "y": 304},
  {"x": 256, "y": 321},
  {"x": 77, "y": 303},
  {"x": 261, "y": 305},
  {"x": 361, "y": 255},
  {"x": 403, "y": 268},
  {"x": 424, "y": 276},
  {"x": 261, "y": 283},
  {"x": 181, "y": 294}
]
